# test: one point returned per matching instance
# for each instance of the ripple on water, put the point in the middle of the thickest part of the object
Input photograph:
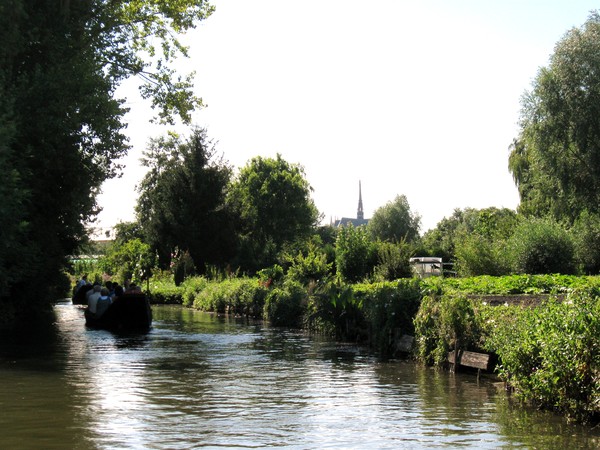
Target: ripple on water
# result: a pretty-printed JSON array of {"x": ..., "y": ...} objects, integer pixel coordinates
[{"x": 202, "y": 381}]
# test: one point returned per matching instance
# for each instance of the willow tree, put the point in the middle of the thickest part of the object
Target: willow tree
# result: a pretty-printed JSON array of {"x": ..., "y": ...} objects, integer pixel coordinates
[
  {"x": 555, "y": 160},
  {"x": 62, "y": 125}
]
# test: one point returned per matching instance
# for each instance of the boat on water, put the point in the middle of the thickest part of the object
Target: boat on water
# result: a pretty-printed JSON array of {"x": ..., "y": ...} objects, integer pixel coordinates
[{"x": 129, "y": 312}]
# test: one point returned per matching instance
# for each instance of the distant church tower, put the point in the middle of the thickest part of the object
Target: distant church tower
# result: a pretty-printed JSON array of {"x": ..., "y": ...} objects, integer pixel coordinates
[{"x": 360, "y": 215}]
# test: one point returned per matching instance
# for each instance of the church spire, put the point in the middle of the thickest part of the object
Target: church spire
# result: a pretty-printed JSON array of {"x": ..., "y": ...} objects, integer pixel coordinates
[{"x": 360, "y": 214}]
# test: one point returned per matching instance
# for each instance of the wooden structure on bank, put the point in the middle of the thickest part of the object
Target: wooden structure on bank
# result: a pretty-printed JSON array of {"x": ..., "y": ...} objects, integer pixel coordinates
[{"x": 474, "y": 360}]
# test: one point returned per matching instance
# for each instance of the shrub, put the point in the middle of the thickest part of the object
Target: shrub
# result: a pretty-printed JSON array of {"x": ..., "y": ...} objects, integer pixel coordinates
[
  {"x": 393, "y": 261},
  {"x": 389, "y": 309},
  {"x": 333, "y": 309},
  {"x": 270, "y": 275},
  {"x": 355, "y": 254},
  {"x": 235, "y": 295},
  {"x": 285, "y": 305},
  {"x": 309, "y": 267},
  {"x": 164, "y": 291},
  {"x": 586, "y": 233},
  {"x": 478, "y": 255},
  {"x": 442, "y": 324},
  {"x": 541, "y": 246},
  {"x": 190, "y": 287},
  {"x": 551, "y": 354},
  {"x": 132, "y": 260}
]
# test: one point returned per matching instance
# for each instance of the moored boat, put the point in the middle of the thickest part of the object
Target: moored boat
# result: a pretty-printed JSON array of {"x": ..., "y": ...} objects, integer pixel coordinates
[{"x": 129, "y": 312}]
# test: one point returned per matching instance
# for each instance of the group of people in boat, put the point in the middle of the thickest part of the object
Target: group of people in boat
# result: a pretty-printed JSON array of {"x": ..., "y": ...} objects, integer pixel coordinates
[{"x": 97, "y": 297}]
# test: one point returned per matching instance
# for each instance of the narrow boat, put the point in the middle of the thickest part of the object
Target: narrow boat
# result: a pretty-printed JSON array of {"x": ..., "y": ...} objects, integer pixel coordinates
[{"x": 129, "y": 312}]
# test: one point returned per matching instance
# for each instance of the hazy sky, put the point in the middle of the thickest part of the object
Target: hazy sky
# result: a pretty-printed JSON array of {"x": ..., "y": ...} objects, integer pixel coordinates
[{"x": 419, "y": 98}]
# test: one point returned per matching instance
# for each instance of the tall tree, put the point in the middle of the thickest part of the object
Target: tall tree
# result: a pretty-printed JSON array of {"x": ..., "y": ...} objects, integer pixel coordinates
[
  {"x": 61, "y": 125},
  {"x": 182, "y": 200},
  {"x": 272, "y": 200},
  {"x": 555, "y": 160},
  {"x": 395, "y": 222},
  {"x": 488, "y": 225}
]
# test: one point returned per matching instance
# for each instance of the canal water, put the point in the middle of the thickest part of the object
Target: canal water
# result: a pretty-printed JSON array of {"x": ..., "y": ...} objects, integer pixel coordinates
[{"x": 201, "y": 381}]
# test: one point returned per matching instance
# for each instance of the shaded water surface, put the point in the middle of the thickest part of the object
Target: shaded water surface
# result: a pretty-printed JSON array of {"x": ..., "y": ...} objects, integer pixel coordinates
[{"x": 196, "y": 380}]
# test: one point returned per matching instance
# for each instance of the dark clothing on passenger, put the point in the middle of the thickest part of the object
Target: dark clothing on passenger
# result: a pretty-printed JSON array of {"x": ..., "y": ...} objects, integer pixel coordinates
[{"x": 103, "y": 303}]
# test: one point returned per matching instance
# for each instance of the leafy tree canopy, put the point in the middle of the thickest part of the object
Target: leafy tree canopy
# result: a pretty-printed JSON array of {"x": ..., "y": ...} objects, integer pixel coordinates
[
  {"x": 490, "y": 224},
  {"x": 272, "y": 199},
  {"x": 555, "y": 160},
  {"x": 395, "y": 222},
  {"x": 182, "y": 199},
  {"x": 61, "y": 126}
]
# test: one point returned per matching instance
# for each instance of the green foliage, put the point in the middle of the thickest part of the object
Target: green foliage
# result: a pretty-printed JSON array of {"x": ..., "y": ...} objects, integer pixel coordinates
[
  {"x": 12, "y": 225},
  {"x": 458, "y": 237},
  {"x": 551, "y": 354},
  {"x": 272, "y": 199},
  {"x": 285, "y": 305},
  {"x": 164, "y": 291},
  {"x": 145, "y": 32},
  {"x": 477, "y": 255},
  {"x": 442, "y": 324},
  {"x": 393, "y": 261},
  {"x": 375, "y": 313},
  {"x": 355, "y": 254},
  {"x": 334, "y": 310},
  {"x": 395, "y": 222},
  {"x": 480, "y": 243},
  {"x": 133, "y": 260},
  {"x": 389, "y": 309},
  {"x": 311, "y": 266},
  {"x": 509, "y": 285},
  {"x": 243, "y": 296},
  {"x": 182, "y": 201},
  {"x": 586, "y": 235},
  {"x": 269, "y": 275},
  {"x": 62, "y": 125},
  {"x": 85, "y": 265},
  {"x": 555, "y": 160},
  {"x": 541, "y": 246},
  {"x": 127, "y": 231},
  {"x": 191, "y": 287}
]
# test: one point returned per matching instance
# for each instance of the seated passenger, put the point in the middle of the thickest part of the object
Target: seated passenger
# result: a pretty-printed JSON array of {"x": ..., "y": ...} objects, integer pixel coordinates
[
  {"x": 111, "y": 287},
  {"x": 82, "y": 282},
  {"x": 104, "y": 301},
  {"x": 118, "y": 292},
  {"x": 93, "y": 298},
  {"x": 133, "y": 289}
]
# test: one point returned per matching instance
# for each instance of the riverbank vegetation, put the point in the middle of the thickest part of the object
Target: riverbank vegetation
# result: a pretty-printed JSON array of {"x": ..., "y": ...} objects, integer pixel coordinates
[{"x": 541, "y": 330}]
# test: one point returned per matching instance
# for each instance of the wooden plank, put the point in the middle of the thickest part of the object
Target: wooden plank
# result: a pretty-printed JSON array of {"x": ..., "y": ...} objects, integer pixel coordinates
[
  {"x": 477, "y": 360},
  {"x": 471, "y": 359}
]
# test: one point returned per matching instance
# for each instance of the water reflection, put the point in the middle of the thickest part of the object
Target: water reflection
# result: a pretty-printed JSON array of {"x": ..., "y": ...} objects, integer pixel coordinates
[{"x": 202, "y": 380}]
